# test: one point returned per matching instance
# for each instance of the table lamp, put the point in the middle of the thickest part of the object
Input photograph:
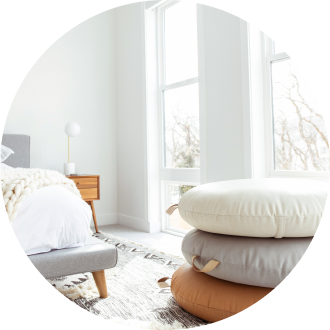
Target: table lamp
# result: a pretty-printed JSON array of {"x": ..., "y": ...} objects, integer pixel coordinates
[{"x": 71, "y": 129}]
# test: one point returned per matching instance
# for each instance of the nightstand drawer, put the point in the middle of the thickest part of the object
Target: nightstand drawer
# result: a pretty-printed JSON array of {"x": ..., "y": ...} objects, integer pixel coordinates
[
  {"x": 88, "y": 193},
  {"x": 83, "y": 183}
]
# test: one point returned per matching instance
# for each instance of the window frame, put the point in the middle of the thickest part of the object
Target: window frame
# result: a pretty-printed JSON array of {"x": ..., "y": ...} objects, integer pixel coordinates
[
  {"x": 269, "y": 123},
  {"x": 164, "y": 87},
  {"x": 189, "y": 176},
  {"x": 164, "y": 197}
]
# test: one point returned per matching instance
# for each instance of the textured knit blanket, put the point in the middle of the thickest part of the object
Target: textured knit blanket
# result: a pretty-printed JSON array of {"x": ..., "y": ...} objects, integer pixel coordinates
[{"x": 18, "y": 183}]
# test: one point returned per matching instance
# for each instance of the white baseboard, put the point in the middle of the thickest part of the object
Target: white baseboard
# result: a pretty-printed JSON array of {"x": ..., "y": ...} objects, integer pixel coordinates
[
  {"x": 105, "y": 219},
  {"x": 138, "y": 224}
]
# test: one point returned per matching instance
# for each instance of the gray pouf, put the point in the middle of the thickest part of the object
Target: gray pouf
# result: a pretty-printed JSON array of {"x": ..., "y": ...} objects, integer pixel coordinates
[{"x": 247, "y": 260}]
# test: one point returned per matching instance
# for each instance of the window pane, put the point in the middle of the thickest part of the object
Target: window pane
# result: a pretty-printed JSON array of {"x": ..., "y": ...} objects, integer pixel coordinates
[
  {"x": 175, "y": 192},
  {"x": 180, "y": 42},
  {"x": 300, "y": 136},
  {"x": 182, "y": 127}
]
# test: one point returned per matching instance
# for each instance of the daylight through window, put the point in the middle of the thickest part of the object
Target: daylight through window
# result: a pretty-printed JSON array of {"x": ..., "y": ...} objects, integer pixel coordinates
[{"x": 299, "y": 132}]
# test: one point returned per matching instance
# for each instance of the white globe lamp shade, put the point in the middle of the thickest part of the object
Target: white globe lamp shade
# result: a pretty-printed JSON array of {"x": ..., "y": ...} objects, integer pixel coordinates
[{"x": 72, "y": 129}]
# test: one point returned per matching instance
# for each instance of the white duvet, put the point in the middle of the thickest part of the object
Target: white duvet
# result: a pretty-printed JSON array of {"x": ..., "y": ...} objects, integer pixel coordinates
[
  {"x": 45, "y": 209},
  {"x": 52, "y": 218}
]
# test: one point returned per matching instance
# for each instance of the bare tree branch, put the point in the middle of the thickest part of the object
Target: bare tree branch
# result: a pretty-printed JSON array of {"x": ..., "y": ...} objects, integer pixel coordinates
[{"x": 304, "y": 133}]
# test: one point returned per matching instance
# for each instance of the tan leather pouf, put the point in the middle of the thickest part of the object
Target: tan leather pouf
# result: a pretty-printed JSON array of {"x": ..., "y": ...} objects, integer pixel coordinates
[{"x": 210, "y": 298}]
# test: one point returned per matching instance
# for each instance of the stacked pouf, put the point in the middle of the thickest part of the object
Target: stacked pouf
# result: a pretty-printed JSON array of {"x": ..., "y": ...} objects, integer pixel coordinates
[{"x": 249, "y": 236}]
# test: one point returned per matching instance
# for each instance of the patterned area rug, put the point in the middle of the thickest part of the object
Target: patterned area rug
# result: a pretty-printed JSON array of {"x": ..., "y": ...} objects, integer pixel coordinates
[{"x": 132, "y": 287}]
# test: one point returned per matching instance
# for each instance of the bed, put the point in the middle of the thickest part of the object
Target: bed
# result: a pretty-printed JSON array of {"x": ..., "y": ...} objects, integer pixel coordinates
[{"x": 94, "y": 257}]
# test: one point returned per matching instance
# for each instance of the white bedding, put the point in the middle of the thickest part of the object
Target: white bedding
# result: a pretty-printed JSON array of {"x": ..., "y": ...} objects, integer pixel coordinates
[
  {"x": 5, "y": 167},
  {"x": 18, "y": 183},
  {"x": 5, "y": 153},
  {"x": 52, "y": 218}
]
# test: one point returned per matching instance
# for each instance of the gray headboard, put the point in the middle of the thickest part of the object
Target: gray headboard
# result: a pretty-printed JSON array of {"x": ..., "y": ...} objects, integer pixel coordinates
[{"x": 20, "y": 144}]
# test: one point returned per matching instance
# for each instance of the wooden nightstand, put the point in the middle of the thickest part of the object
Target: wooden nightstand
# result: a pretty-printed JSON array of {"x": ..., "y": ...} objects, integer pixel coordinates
[{"x": 89, "y": 187}]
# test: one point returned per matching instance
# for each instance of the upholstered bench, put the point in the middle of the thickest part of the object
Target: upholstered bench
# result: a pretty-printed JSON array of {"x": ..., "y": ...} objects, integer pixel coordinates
[{"x": 94, "y": 257}]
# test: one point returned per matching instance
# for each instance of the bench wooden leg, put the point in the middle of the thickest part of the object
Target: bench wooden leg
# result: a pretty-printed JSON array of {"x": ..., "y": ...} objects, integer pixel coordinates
[
  {"x": 101, "y": 284},
  {"x": 91, "y": 204}
]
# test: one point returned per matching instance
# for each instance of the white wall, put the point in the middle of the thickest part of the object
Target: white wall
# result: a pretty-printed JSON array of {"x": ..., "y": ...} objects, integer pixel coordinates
[
  {"x": 96, "y": 75},
  {"x": 219, "y": 45},
  {"x": 131, "y": 130},
  {"x": 221, "y": 88},
  {"x": 74, "y": 80}
]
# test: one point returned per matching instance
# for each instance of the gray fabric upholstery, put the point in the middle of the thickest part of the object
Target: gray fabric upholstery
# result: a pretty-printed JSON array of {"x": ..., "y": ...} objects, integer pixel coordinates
[
  {"x": 20, "y": 144},
  {"x": 246, "y": 260},
  {"x": 92, "y": 257}
]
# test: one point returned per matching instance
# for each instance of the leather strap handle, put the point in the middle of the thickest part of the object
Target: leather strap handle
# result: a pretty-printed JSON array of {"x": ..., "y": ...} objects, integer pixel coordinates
[
  {"x": 162, "y": 283},
  {"x": 207, "y": 268},
  {"x": 171, "y": 209}
]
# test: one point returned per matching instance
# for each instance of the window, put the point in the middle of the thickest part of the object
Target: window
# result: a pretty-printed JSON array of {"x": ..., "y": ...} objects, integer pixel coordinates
[
  {"x": 178, "y": 106},
  {"x": 298, "y": 138},
  {"x": 174, "y": 192}
]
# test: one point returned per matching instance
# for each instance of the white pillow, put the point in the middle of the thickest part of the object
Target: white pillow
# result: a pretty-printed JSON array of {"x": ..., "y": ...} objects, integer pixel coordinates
[
  {"x": 5, "y": 167},
  {"x": 256, "y": 207},
  {"x": 5, "y": 153},
  {"x": 52, "y": 218}
]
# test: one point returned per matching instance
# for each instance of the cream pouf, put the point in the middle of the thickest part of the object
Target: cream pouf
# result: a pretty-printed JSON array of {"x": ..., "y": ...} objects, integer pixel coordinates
[
  {"x": 264, "y": 262},
  {"x": 256, "y": 207}
]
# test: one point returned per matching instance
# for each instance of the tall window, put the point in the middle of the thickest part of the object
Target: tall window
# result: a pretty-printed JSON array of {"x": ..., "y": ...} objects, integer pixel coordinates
[
  {"x": 300, "y": 144},
  {"x": 179, "y": 105}
]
